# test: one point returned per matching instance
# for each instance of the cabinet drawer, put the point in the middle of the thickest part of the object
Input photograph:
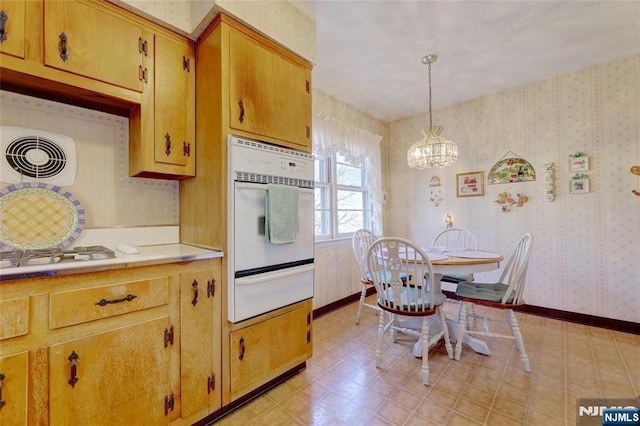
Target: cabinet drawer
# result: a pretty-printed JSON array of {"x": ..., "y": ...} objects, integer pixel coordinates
[
  {"x": 78, "y": 306},
  {"x": 14, "y": 317}
]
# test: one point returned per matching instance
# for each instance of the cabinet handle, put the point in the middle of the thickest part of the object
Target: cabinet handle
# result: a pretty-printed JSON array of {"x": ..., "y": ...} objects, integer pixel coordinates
[
  {"x": 2, "y": 401},
  {"x": 3, "y": 37},
  {"x": 211, "y": 287},
  {"x": 167, "y": 141},
  {"x": 194, "y": 284},
  {"x": 63, "y": 47},
  {"x": 241, "y": 118},
  {"x": 143, "y": 73},
  {"x": 169, "y": 402},
  {"x": 127, "y": 298},
  {"x": 74, "y": 368},
  {"x": 211, "y": 383},
  {"x": 241, "y": 349},
  {"x": 142, "y": 46}
]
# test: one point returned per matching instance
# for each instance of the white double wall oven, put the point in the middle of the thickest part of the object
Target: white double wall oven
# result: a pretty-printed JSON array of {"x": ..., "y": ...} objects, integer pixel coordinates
[{"x": 264, "y": 276}]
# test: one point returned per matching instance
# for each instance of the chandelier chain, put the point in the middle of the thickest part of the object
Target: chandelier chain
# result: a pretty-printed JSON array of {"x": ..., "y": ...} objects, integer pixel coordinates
[{"x": 430, "y": 113}]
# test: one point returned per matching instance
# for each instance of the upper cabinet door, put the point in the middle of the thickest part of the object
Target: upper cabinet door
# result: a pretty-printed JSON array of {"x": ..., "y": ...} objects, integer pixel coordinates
[
  {"x": 12, "y": 26},
  {"x": 269, "y": 94},
  {"x": 85, "y": 39},
  {"x": 174, "y": 101}
]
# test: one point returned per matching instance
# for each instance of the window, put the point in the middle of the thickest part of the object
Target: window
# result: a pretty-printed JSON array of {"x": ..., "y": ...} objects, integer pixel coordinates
[
  {"x": 348, "y": 178},
  {"x": 341, "y": 197}
]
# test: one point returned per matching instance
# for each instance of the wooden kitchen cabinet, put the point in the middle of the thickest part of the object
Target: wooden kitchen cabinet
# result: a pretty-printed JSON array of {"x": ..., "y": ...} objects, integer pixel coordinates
[
  {"x": 269, "y": 93},
  {"x": 12, "y": 24},
  {"x": 200, "y": 322},
  {"x": 13, "y": 383},
  {"x": 264, "y": 350},
  {"x": 132, "y": 338},
  {"x": 165, "y": 147},
  {"x": 86, "y": 39},
  {"x": 115, "y": 377},
  {"x": 96, "y": 55}
]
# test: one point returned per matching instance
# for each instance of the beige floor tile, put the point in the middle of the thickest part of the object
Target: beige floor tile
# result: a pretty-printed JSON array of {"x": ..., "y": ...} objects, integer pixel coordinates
[
  {"x": 538, "y": 418},
  {"x": 497, "y": 418},
  {"x": 472, "y": 409},
  {"x": 478, "y": 395},
  {"x": 433, "y": 411},
  {"x": 343, "y": 386},
  {"x": 458, "y": 419},
  {"x": 394, "y": 413}
]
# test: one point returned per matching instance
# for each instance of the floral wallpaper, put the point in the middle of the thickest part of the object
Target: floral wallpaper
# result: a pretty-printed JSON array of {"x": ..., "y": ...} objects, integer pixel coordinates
[{"x": 587, "y": 245}]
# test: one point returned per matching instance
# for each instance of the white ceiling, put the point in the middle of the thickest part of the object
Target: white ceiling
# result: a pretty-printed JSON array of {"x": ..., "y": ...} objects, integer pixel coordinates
[{"x": 369, "y": 52}]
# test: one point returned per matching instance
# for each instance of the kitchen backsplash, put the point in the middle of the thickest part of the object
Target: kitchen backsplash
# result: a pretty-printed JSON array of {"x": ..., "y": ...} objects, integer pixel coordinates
[{"x": 109, "y": 196}]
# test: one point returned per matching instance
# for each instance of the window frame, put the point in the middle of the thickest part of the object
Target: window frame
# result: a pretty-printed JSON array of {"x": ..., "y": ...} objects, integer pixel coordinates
[{"x": 330, "y": 165}]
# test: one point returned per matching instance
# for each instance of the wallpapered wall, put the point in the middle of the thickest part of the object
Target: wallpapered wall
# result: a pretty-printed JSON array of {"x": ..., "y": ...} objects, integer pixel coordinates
[
  {"x": 109, "y": 196},
  {"x": 586, "y": 256},
  {"x": 278, "y": 19}
]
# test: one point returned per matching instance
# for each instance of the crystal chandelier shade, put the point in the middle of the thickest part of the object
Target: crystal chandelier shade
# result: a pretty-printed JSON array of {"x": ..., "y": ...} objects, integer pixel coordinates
[{"x": 432, "y": 150}]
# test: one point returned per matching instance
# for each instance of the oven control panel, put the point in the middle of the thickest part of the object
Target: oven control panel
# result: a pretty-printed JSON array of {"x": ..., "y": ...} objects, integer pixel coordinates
[{"x": 246, "y": 155}]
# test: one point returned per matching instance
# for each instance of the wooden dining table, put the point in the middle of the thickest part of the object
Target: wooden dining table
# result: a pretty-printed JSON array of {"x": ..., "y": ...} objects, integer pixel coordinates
[{"x": 458, "y": 262}]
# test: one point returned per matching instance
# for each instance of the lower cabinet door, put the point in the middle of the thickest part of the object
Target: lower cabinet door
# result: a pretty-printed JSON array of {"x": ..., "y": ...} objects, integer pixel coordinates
[
  {"x": 267, "y": 349},
  {"x": 199, "y": 342},
  {"x": 119, "y": 377},
  {"x": 13, "y": 389}
]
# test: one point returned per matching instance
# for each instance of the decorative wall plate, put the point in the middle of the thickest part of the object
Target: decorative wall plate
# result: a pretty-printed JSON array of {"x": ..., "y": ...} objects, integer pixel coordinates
[
  {"x": 511, "y": 170},
  {"x": 38, "y": 215}
]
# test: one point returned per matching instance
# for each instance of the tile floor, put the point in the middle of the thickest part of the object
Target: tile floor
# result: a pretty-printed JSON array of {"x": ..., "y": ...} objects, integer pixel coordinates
[{"x": 342, "y": 386}]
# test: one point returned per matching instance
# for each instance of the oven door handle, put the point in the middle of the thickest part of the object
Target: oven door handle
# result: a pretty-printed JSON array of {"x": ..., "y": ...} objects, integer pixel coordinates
[
  {"x": 263, "y": 186},
  {"x": 276, "y": 275}
]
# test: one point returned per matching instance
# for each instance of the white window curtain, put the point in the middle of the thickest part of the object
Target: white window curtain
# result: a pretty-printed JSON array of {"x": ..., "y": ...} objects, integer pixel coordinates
[{"x": 332, "y": 136}]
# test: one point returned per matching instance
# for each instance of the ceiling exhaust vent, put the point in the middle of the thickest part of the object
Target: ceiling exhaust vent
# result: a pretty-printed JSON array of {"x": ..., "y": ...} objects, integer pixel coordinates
[{"x": 32, "y": 155}]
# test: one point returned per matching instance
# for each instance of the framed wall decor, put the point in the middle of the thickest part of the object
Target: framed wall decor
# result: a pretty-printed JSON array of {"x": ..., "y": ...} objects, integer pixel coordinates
[
  {"x": 470, "y": 184},
  {"x": 578, "y": 162},
  {"x": 580, "y": 185}
]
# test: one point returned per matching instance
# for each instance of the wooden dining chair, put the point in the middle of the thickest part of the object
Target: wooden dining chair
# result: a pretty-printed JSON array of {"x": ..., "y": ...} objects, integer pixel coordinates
[
  {"x": 360, "y": 242},
  {"x": 505, "y": 294},
  {"x": 397, "y": 267}
]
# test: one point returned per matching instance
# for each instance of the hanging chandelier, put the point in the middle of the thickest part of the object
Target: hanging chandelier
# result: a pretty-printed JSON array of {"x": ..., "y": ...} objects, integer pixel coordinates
[{"x": 432, "y": 150}]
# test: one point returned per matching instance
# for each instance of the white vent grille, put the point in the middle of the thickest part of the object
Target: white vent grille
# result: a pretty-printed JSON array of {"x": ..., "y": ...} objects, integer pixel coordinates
[
  {"x": 31, "y": 155},
  {"x": 262, "y": 178}
]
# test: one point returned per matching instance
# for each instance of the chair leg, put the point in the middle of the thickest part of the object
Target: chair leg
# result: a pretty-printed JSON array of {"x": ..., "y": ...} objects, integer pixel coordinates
[
  {"x": 445, "y": 329},
  {"x": 462, "y": 328},
  {"x": 515, "y": 329},
  {"x": 381, "y": 328},
  {"x": 363, "y": 294},
  {"x": 425, "y": 350}
]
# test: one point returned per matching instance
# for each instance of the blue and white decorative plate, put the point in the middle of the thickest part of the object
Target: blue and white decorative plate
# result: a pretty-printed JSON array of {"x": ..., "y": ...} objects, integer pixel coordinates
[{"x": 38, "y": 216}]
